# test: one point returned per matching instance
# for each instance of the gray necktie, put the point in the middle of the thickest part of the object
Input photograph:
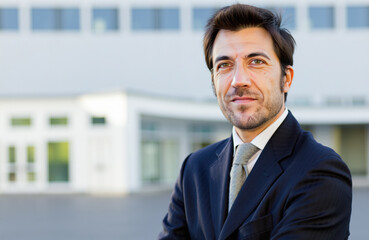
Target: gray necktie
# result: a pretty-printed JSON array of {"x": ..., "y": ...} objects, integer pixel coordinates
[{"x": 239, "y": 169}]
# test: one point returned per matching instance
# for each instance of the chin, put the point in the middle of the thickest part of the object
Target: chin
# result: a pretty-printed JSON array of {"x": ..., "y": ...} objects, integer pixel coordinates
[{"x": 249, "y": 121}]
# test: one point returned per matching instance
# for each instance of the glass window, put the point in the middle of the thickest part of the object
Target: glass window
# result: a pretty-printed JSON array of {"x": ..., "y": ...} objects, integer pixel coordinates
[
  {"x": 58, "y": 121},
  {"x": 105, "y": 19},
  {"x": 288, "y": 16},
  {"x": 358, "y": 101},
  {"x": 149, "y": 126},
  {"x": 351, "y": 144},
  {"x": 168, "y": 18},
  {"x": 143, "y": 19},
  {"x": 201, "y": 128},
  {"x": 17, "y": 122},
  {"x": 69, "y": 19},
  {"x": 30, "y": 154},
  {"x": 321, "y": 17},
  {"x": 334, "y": 101},
  {"x": 55, "y": 19},
  {"x": 155, "y": 18},
  {"x": 58, "y": 160},
  {"x": 9, "y": 19},
  {"x": 200, "y": 17},
  {"x": 150, "y": 161},
  {"x": 358, "y": 17},
  {"x": 11, "y": 154},
  {"x": 201, "y": 135},
  {"x": 12, "y": 175},
  {"x": 98, "y": 120},
  {"x": 31, "y": 175},
  {"x": 158, "y": 160},
  {"x": 43, "y": 19}
]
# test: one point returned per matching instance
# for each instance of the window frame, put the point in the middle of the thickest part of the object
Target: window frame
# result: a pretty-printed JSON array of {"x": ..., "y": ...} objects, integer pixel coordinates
[
  {"x": 59, "y": 20},
  {"x": 357, "y": 7},
  {"x": 20, "y": 122},
  {"x": 158, "y": 16},
  {"x": 331, "y": 8},
  {"x": 16, "y": 10},
  {"x": 195, "y": 24},
  {"x": 117, "y": 18}
]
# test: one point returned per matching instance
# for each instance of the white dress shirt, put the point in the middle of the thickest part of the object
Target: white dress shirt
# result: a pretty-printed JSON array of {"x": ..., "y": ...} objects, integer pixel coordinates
[{"x": 260, "y": 140}]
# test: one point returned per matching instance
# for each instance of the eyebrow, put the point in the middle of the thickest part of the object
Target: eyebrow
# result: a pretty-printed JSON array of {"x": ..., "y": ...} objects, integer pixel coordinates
[
  {"x": 221, "y": 58},
  {"x": 251, "y": 55}
]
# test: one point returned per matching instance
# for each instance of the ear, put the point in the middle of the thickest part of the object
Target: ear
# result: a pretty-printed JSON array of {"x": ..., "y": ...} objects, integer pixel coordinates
[{"x": 288, "y": 79}]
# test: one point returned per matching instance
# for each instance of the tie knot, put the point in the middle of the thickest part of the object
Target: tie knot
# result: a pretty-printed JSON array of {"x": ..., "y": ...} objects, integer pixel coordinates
[{"x": 244, "y": 152}]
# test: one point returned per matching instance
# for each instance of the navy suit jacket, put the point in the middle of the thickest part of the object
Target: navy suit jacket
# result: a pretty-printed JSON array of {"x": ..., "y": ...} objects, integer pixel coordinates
[{"x": 298, "y": 189}]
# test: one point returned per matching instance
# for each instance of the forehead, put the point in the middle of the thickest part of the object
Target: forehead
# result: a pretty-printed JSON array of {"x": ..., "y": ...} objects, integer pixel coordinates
[{"x": 244, "y": 41}]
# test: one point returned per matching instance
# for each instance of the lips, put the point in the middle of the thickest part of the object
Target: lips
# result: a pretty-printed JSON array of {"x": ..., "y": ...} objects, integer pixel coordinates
[{"x": 242, "y": 99}]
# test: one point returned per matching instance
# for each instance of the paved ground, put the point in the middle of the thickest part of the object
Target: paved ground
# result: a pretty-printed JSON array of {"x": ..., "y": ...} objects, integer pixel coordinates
[{"x": 84, "y": 217}]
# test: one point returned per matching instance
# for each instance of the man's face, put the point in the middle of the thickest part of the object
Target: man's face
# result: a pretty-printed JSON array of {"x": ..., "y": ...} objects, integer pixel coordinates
[{"x": 247, "y": 78}]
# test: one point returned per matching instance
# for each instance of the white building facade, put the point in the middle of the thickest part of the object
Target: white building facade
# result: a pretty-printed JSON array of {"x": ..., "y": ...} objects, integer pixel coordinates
[
  {"x": 110, "y": 96},
  {"x": 100, "y": 143}
]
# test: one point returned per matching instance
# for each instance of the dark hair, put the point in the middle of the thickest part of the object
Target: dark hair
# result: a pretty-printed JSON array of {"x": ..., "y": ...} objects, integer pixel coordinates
[{"x": 239, "y": 16}]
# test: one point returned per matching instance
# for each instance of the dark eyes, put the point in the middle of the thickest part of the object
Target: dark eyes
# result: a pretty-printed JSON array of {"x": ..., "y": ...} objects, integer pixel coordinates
[
  {"x": 225, "y": 66},
  {"x": 257, "y": 61}
]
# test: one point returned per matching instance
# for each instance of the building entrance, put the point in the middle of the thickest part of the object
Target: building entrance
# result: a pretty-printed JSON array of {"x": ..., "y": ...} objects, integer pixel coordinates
[{"x": 20, "y": 172}]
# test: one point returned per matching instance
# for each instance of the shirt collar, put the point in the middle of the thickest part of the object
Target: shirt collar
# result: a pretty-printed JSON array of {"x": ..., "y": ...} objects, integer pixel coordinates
[{"x": 262, "y": 139}]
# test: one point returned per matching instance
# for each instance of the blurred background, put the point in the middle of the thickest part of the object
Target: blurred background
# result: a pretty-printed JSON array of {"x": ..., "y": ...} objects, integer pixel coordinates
[{"x": 108, "y": 97}]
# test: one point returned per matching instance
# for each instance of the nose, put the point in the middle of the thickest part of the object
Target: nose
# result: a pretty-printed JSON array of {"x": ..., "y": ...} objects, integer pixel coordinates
[{"x": 241, "y": 77}]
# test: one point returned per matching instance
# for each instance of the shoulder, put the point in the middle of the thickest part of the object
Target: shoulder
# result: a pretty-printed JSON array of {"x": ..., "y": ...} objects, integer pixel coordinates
[
  {"x": 208, "y": 154},
  {"x": 316, "y": 163},
  {"x": 302, "y": 156},
  {"x": 291, "y": 137},
  {"x": 311, "y": 149},
  {"x": 308, "y": 141}
]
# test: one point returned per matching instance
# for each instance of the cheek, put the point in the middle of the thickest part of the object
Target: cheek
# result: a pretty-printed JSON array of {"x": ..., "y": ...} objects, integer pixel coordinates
[
  {"x": 259, "y": 81},
  {"x": 253, "y": 75},
  {"x": 221, "y": 87},
  {"x": 260, "y": 77},
  {"x": 216, "y": 85},
  {"x": 268, "y": 87}
]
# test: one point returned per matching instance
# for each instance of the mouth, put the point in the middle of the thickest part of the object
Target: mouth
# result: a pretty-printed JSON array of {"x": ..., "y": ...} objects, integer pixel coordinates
[{"x": 242, "y": 100}]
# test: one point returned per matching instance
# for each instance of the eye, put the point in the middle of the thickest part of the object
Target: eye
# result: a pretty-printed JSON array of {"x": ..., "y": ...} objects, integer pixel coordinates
[
  {"x": 257, "y": 61},
  {"x": 224, "y": 65}
]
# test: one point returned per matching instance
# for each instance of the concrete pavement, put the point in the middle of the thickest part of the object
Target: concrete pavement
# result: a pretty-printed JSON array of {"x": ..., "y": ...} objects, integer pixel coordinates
[{"x": 133, "y": 217}]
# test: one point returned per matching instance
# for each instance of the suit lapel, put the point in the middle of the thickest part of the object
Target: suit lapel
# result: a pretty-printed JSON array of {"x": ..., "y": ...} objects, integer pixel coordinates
[
  {"x": 219, "y": 174},
  {"x": 265, "y": 172}
]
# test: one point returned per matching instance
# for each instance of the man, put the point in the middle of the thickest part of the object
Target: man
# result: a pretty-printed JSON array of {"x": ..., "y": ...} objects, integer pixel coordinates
[{"x": 295, "y": 188}]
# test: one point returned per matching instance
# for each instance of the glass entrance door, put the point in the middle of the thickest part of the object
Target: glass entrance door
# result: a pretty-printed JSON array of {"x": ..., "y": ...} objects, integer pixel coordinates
[
  {"x": 21, "y": 166},
  {"x": 159, "y": 161},
  {"x": 58, "y": 162}
]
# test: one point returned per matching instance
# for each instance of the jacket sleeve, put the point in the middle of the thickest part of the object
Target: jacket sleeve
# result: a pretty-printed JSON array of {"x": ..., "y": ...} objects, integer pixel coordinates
[
  {"x": 319, "y": 206},
  {"x": 174, "y": 222}
]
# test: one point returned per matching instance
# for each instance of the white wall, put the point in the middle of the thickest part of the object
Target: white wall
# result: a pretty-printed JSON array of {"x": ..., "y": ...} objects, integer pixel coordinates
[
  {"x": 327, "y": 62},
  {"x": 97, "y": 156},
  {"x": 166, "y": 64}
]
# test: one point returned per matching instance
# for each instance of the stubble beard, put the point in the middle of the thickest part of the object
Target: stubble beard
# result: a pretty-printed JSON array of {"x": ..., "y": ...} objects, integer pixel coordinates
[{"x": 260, "y": 116}]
